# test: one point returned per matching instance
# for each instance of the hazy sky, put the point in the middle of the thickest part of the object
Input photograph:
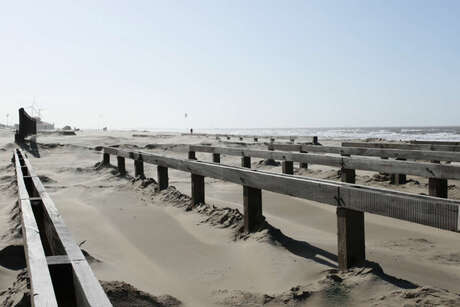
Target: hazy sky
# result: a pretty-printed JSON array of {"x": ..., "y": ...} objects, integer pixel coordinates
[{"x": 133, "y": 64}]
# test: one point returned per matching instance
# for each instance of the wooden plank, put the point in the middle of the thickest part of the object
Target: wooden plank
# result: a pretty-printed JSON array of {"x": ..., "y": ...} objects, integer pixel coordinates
[
  {"x": 246, "y": 162},
  {"x": 88, "y": 290},
  {"x": 431, "y": 211},
  {"x": 216, "y": 158},
  {"x": 197, "y": 189},
  {"x": 422, "y": 169},
  {"x": 437, "y": 187},
  {"x": 424, "y": 155},
  {"x": 252, "y": 203},
  {"x": 350, "y": 238},
  {"x": 163, "y": 179},
  {"x": 41, "y": 287},
  {"x": 436, "y": 142},
  {"x": 433, "y": 147},
  {"x": 121, "y": 165},
  {"x": 287, "y": 167}
]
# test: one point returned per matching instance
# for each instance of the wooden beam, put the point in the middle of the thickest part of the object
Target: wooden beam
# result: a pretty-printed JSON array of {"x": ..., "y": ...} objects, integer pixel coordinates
[
  {"x": 437, "y": 187},
  {"x": 121, "y": 165},
  {"x": 433, "y": 147},
  {"x": 288, "y": 167},
  {"x": 246, "y": 162},
  {"x": 197, "y": 189},
  {"x": 106, "y": 159},
  {"x": 139, "y": 168},
  {"x": 425, "y": 155},
  {"x": 425, "y": 210},
  {"x": 422, "y": 169},
  {"x": 87, "y": 289},
  {"x": 163, "y": 179},
  {"x": 191, "y": 155},
  {"x": 216, "y": 157},
  {"x": 253, "y": 217},
  {"x": 350, "y": 237},
  {"x": 350, "y": 231}
]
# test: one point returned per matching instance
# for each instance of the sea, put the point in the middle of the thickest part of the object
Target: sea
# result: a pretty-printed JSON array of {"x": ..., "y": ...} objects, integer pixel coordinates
[{"x": 451, "y": 133}]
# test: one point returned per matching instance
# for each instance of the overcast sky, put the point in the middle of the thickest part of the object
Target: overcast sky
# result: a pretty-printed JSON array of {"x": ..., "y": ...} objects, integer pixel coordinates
[{"x": 234, "y": 64}]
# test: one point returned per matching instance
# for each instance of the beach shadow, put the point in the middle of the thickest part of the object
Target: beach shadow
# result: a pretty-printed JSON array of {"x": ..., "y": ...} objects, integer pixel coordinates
[
  {"x": 12, "y": 257},
  {"x": 321, "y": 256}
]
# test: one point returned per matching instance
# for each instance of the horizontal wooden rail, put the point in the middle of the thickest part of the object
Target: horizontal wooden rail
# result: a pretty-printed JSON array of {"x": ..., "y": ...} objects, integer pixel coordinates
[
  {"x": 436, "y": 142},
  {"x": 255, "y": 137},
  {"x": 351, "y": 200},
  {"x": 434, "y": 147},
  {"x": 422, "y": 169},
  {"x": 57, "y": 268},
  {"x": 431, "y": 211},
  {"x": 425, "y": 155}
]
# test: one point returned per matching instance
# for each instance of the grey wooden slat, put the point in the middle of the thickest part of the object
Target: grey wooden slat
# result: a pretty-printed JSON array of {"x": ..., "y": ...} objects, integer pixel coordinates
[
  {"x": 434, "y": 147},
  {"x": 426, "y": 155},
  {"x": 41, "y": 287},
  {"x": 89, "y": 292},
  {"x": 423, "y": 169},
  {"x": 431, "y": 211}
]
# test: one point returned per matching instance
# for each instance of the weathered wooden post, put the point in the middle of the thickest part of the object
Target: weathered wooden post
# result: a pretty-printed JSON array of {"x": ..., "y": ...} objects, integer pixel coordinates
[
  {"x": 272, "y": 140},
  {"x": 191, "y": 155},
  {"x": 139, "y": 168},
  {"x": 216, "y": 157},
  {"x": 437, "y": 187},
  {"x": 350, "y": 231},
  {"x": 252, "y": 200},
  {"x": 121, "y": 165},
  {"x": 163, "y": 179},
  {"x": 303, "y": 164},
  {"x": 197, "y": 189},
  {"x": 315, "y": 140},
  {"x": 106, "y": 159},
  {"x": 246, "y": 162},
  {"x": 241, "y": 138},
  {"x": 256, "y": 139},
  {"x": 288, "y": 167},
  {"x": 398, "y": 178},
  {"x": 228, "y": 137}
]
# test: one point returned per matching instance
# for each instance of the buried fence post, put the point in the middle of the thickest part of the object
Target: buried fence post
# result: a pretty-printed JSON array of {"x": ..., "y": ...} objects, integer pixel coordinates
[
  {"x": 288, "y": 167},
  {"x": 163, "y": 179},
  {"x": 252, "y": 200},
  {"x": 246, "y": 162},
  {"x": 437, "y": 187},
  {"x": 121, "y": 165},
  {"x": 350, "y": 231},
  {"x": 315, "y": 140},
  {"x": 197, "y": 189},
  {"x": 191, "y": 155},
  {"x": 303, "y": 164},
  {"x": 350, "y": 238},
  {"x": 139, "y": 168},
  {"x": 106, "y": 159},
  {"x": 256, "y": 139},
  {"x": 398, "y": 178},
  {"x": 216, "y": 157}
]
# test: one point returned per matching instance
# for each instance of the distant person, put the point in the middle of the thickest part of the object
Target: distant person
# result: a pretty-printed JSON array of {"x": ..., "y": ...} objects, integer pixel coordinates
[{"x": 191, "y": 131}]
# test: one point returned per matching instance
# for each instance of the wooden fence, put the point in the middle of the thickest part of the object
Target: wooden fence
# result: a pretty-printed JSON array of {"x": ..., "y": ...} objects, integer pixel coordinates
[
  {"x": 256, "y": 138},
  {"x": 351, "y": 200},
  {"x": 438, "y": 174},
  {"x": 58, "y": 271},
  {"x": 431, "y": 146}
]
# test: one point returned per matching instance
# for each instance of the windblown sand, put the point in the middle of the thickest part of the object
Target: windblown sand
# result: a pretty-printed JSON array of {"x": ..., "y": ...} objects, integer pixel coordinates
[{"x": 139, "y": 238}]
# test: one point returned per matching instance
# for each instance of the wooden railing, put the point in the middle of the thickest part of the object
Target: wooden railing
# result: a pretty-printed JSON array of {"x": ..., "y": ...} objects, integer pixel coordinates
[
  {"x": 256, "y": 138},
  {"x": 58, "y": 271},
  {"x": 431, "y": 146},
  {"x": 351, "y": 200},
  {"x": 438, "y": 173}
]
